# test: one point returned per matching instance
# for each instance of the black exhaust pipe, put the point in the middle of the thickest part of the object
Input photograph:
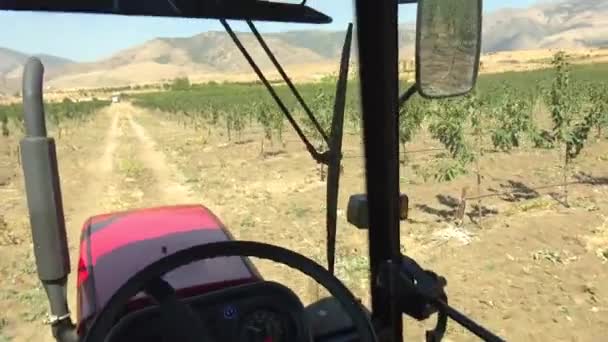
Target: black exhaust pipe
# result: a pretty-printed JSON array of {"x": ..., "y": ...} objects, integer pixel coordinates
[{"x": 39, "y": 162}]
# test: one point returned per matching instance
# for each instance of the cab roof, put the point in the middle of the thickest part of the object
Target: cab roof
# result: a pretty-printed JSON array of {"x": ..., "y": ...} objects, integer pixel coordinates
[{"x": 259, "y": 10}]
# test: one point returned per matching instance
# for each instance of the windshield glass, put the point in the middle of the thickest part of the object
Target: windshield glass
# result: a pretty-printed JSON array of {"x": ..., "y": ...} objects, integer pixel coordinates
[{"x": 507, "y": 186}]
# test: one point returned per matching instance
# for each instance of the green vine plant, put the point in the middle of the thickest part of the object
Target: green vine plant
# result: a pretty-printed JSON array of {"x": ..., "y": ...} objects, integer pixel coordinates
[
  {"x": 185, "y": 119},
  {"x": 211, "y": 119},
  {"x": 251, "y": 113},
  {"x": 264, "y": 118},
  {"x": 228, "y": 120},
  {"x": 450, "y": 121},
  {"x": 598, "y": 96},
  {"x": 11, "y": 117},
  {"x": 11, "y": 124},
  {"x": 215, "y": 116},
  {"x": 448, "y": 127},
  {"x": 540, "y": 138},
  {"x": 200, "y": 119},
  {"x": 239, "y": 123},
  {"x": 569, "y": 130},
  {"x": 4, "y": 121},
  {"x": 352, "y": 115},
  {"x": 322, "y": 108},
  {"x": 512, "y": 120},
  {"x": 477, "y": 116},
  {"x": 55, "y": 119},
  {"x": 19, "y": 124},
  {"x": 354, "y": 118},
  {"x": 278, "y": 125},
  {"x": 65, "y": 111},
  {"x": 411, "y": 117},
  {"x": 235, "y": 121}
]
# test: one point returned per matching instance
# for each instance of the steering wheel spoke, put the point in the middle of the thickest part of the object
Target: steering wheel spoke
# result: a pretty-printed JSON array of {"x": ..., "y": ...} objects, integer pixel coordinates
[
  {"x": 160, "y": 290},
  {"x": 183, "y": 324}
]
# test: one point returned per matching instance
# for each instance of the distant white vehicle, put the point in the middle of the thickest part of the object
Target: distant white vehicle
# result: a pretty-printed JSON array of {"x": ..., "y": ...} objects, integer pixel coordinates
[{"x": 115, "y": 99}]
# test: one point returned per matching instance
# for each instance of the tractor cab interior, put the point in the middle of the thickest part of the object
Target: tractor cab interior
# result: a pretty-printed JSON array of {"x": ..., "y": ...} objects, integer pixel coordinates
[{"x": 201, "y": 286}]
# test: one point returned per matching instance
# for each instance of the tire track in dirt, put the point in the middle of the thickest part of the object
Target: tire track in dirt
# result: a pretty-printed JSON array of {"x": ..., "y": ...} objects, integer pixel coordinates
[
  {"x": 168, "y": 179},
  {"x": 98, "y": 172},
  {"x": 99, "y": 176},
  {"x": 85, "y": 168},
  {"x": 112, "y": 186}
]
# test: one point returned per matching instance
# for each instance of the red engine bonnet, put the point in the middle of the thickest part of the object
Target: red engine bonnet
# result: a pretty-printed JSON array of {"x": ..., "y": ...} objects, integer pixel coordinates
[{"x": 115, "y": 246}]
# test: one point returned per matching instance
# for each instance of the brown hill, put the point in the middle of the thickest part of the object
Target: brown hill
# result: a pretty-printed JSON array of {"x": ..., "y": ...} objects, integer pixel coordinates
[
  {"x": 207, "y": 56},
  {"x": 11, "y": 67},
  {"x": 569, "y": 24}
]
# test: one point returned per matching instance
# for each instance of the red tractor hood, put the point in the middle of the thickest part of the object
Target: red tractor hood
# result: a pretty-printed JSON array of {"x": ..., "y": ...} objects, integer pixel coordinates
[{"x": 114, "y": 247}]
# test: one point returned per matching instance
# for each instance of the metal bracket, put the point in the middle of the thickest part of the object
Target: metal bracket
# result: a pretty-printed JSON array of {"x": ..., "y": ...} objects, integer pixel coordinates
[
  {"x": 417, "y": 290},
  {"x": 53, "y": 320},
  {"x": 421, "y": 293}
]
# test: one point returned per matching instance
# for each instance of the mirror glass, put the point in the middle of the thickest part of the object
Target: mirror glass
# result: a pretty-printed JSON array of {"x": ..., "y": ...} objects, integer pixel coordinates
[{"x": 448, "y": 42}]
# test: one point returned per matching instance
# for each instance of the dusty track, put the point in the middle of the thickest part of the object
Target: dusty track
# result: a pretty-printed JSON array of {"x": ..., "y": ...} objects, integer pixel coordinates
[
  {"x": 109, "y": 164},
  {"x": 169, "y": 181},
  {"x": 101, "y": 171},
  {"x": 111, "y": 185}
]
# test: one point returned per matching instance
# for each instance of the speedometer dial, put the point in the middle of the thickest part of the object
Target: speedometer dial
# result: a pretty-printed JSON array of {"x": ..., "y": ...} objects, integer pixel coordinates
[{"x": 263, "y": 326}]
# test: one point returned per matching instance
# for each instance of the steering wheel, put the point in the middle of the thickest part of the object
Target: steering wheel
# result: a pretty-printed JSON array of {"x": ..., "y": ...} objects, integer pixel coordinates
[{"x": 185, "y": 322}]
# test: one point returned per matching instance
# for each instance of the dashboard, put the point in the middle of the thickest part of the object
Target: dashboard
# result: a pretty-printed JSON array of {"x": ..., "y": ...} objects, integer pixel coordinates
[{"x": 257, "y": 312}]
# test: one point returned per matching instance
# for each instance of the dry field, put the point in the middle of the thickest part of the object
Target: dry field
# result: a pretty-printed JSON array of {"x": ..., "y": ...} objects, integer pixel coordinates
[
  {"x": 498, "y": 62},
  {"x": 534, "y": 271},
  {"x": 525, "y": 60}
]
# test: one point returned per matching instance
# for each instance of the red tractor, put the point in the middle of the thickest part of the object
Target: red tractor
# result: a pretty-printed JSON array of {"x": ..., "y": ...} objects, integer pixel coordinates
[{"x": 176, "y": 274}]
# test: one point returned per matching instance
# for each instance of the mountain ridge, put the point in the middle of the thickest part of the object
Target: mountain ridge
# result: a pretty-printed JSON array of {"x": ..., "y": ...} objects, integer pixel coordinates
[{"x": 212, "y": 55}]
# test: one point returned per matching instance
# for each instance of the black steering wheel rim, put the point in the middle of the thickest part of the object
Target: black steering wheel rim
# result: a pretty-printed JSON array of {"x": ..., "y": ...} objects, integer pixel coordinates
[{"x": 104, "y": 321}]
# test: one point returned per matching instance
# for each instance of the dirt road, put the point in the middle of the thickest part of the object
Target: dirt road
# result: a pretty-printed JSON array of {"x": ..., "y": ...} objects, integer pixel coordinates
[
  {"x": 117, "y": 169},
  {"x": 533, "y": 273}
]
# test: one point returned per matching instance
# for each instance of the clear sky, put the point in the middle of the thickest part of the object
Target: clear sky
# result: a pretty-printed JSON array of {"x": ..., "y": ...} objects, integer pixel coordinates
[{"x": 88, "y": 37}]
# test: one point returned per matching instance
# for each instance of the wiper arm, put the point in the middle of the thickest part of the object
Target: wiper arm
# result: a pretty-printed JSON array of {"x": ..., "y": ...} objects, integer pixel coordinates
[{"x": 466, "y": 322}]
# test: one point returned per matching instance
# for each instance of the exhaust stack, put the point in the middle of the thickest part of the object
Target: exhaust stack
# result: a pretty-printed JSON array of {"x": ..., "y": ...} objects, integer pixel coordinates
[{"x": 39, "y": 162}]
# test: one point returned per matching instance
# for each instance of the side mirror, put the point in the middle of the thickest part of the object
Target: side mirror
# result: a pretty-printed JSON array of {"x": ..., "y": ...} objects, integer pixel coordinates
[
  {"x": 448, "y": 45},
  {"x": 357, "y": 211}
]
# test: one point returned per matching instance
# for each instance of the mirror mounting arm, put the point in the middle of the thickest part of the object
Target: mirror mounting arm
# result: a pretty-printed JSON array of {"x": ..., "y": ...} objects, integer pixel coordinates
[
  {"x": 417, "y": 290},
  {"x": 413, "y": 89},
  {"x": 421, "y": 293}
]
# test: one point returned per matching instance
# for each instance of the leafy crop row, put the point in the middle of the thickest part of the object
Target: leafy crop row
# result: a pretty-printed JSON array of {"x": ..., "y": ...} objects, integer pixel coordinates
[
  {"x": 233, "y": 108},
  {"x": 500, "y": 115},
  {"x": 505, "y": 115},
  {"x": 56, "y": 114}
]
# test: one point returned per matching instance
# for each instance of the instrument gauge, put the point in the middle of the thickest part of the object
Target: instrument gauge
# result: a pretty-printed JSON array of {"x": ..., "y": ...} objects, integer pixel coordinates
[{"x": 263, "y": 326}]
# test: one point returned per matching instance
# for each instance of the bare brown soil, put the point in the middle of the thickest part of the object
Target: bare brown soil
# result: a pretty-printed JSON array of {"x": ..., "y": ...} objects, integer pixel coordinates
[{"x": 533, "y": 271}]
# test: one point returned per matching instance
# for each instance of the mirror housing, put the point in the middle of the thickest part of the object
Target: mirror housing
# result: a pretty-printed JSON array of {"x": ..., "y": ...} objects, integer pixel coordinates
[
  {"x": 357, "y": 210},
  {"x": 448, "y": 46}
]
